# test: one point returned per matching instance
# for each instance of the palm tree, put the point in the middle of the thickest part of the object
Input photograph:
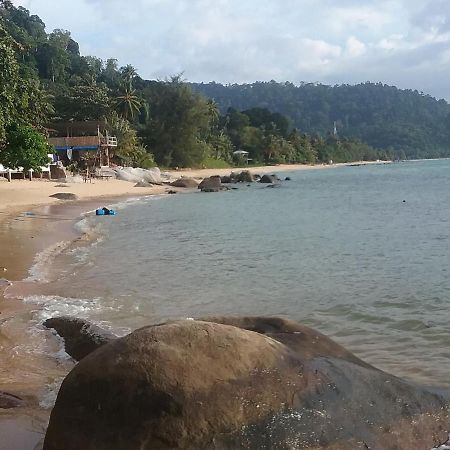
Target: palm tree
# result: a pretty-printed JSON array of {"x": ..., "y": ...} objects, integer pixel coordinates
[
  {"x": 127, "y": 102},
  {"x": 128, "y": 73}
]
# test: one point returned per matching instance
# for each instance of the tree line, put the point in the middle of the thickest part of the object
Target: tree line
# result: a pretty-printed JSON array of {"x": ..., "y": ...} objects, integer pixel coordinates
[
  {"x": 45, "y": 79},
  {"x": 405, "y": 123}
]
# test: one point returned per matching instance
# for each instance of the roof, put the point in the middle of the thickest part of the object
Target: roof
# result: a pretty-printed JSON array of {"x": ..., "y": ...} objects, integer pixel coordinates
[
  {"x": 240, "y": 152},
  {"x": 73, "y": 128}
]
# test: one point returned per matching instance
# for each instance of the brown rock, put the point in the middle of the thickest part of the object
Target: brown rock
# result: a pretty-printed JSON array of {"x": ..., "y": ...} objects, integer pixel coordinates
[
  {"x": 245, "y": 177},
  {"x": 238, "y": 383},
  {"x": 269, "y": 179},
  {"x": 185, "y": 182},
  {"x": 211, "y": 184},
  {"x": 80, "y": 336}
]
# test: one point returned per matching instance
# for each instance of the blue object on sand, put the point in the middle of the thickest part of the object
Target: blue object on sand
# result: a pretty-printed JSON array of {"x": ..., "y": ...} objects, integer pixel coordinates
[{"x": 105, "y": 212}]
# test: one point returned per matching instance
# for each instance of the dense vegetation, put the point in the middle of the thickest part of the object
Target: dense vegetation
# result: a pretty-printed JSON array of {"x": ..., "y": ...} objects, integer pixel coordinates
[
  {"x": 44, "y": 79},
  {"x": 408, "y": 123}
]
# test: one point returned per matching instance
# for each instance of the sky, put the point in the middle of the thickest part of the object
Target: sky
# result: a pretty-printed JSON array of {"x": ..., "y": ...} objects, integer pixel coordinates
[{"x": 405, "y": 43}]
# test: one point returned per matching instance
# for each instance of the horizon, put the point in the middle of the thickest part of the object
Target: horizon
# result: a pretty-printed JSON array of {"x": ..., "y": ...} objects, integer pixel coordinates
[{"x": 394, "y": 42}]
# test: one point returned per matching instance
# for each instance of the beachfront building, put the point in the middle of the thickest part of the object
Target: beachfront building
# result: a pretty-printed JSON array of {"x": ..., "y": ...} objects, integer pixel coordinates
[{"x": 86, "y": 143}]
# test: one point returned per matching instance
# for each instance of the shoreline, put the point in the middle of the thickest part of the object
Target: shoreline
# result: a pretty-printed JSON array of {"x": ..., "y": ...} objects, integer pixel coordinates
[{"x": 27, "y": 228}]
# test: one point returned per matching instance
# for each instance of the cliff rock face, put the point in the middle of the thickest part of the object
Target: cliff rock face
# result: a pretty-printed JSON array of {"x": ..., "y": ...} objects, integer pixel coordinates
[{"x": 238, "y": 383}]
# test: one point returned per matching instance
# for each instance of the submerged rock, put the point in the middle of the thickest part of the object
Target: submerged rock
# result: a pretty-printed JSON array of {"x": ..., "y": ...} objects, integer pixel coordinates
[
  {"x": 238, "y": 383},
  {"x": 64, "y": 196},
  {"x": 269, "y": 179},
  {"x": 185, "y": 182},
  {"x": 80, "y": 336}
]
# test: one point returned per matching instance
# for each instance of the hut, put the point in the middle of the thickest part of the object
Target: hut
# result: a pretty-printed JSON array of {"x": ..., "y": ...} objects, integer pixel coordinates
[{"x": 87, "y": 142}]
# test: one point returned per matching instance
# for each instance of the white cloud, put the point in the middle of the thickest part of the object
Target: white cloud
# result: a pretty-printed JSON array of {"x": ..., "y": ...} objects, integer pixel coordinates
[{"x": 402, "y": 42}]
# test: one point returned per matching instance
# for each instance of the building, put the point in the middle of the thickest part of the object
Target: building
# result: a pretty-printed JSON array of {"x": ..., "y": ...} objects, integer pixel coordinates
[{"x": 82, "y": 141}]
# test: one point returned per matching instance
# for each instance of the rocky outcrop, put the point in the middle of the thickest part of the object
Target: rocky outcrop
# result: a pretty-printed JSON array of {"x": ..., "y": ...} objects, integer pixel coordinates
[
  {"x": 185, "y": 182},
  {"x": 269, "y": 179},
  {"x": 211, "y": 184},
  {"x": 80, "y": 336},
  {"x": 239, "y": 383},
  {"x": 64, "y": 196}
]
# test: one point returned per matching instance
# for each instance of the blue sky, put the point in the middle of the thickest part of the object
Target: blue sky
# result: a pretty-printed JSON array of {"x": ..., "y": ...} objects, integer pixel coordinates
[{"x": 401, "y": 42}]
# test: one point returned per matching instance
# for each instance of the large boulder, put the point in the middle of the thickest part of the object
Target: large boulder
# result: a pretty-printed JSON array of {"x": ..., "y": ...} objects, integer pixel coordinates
[
  {"x": 185, "y": 182},
  {"x": 244, "y": 177},
  {"x": 80, "y": 336},
  {"x": 211, "y": 184},
  {"x": 238, "y": 383},
  {"x": 269, "y": 179}
]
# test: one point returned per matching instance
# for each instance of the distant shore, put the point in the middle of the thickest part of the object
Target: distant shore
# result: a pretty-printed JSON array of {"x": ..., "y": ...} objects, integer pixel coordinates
[{"x": 20, "y": 195}]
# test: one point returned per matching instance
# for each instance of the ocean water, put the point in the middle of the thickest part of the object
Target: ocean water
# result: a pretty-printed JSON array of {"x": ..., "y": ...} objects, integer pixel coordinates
[{"x": 360, "y": 253}]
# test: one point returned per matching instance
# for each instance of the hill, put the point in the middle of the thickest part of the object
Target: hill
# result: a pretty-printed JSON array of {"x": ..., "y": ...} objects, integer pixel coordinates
[{"x": 414, "y": 124}]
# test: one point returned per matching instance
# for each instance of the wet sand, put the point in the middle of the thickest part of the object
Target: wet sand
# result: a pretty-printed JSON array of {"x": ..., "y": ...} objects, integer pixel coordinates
[{"x": 23, "y": 372}]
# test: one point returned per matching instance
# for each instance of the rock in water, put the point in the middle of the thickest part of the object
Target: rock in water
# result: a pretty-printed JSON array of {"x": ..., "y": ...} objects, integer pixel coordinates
[
  {"x": 238, "y": 383},
  {"x": 269, "y": 179},
  {"x": 211, "y": 184},
  {"x": 185, "y": 182},
  {"x": 80, "y": 336},
  {"x": 245, "y": 177}
]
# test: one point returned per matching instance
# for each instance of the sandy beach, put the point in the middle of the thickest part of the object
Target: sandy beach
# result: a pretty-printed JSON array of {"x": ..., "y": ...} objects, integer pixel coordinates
[{"x": 30, "y": 222}]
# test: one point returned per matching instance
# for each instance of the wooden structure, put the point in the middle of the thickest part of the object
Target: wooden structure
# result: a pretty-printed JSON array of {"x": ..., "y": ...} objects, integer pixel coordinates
[{"x": 74, "y": 140}]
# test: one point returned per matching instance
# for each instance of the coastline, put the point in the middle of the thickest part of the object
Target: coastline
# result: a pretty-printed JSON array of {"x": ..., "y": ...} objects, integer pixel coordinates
[{"x": 30, "y": 222}]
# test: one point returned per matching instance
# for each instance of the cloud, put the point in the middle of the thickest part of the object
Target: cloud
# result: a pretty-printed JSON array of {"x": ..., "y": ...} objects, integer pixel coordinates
[{"x": 402, "y": 42}]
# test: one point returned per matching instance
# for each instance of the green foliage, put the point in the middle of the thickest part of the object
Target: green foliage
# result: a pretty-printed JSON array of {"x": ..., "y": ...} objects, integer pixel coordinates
[
  {"x": 82, "y": 102},
  {"x": 129, "y": 148},
  {"x": 213, "y": 163},
  {"x": 127, "y": 102},
  {"x": 22, "y": 99},
  {"x": 24, "y": 147},
  {"x": 9, "y": 80},
  {"x": 179, "y": 124},
  {"x": 411, "y": 123}
]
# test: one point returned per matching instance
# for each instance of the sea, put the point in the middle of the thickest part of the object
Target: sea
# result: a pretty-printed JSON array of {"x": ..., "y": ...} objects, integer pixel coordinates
[{"x": 360, "y": 253}]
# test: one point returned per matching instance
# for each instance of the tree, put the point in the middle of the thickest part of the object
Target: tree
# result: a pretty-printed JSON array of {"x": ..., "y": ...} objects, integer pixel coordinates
[
  {"x": 24, "y": 147},
  {"x": 179, "y": 125},
  {"x": 9, "y": 79},
  {"x": 129, "y": 148},
  {"x": 127, "y": 102},
  {"x": 128, "y": 74},
  {"x": 22, "y": 99},
  {"x": 83, "y": 102}
]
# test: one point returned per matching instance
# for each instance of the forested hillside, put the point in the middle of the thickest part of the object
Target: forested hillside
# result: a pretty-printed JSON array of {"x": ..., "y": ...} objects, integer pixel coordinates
[
  {"x": 414, "y": 124},
  {"x": 45, "y": 79}
]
